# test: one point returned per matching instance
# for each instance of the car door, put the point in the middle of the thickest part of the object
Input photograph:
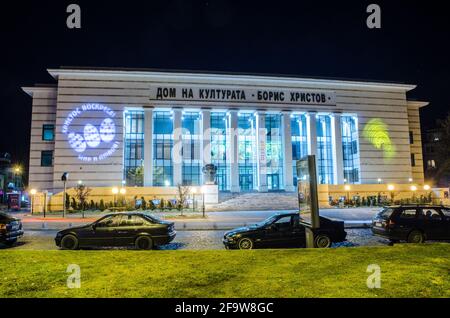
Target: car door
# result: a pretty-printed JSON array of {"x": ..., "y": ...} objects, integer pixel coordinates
[
  {"x": 405, "y": 220},
  {"x": 446, "y": 215},
  {"x": 298, "y": 232},
  {"x": 104, "y": 231},
  {"x": 280, "y": 232},
  {"x": 433, "y": 223},
  {"x": 127, "y": 230}
]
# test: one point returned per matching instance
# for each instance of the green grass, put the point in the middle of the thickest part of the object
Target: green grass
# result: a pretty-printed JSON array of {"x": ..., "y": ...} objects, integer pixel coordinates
[{"x": 407, "y": 271}]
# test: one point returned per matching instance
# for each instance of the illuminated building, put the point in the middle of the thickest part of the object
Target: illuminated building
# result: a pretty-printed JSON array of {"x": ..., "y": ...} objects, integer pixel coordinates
[{"x": 153, "y": 129}]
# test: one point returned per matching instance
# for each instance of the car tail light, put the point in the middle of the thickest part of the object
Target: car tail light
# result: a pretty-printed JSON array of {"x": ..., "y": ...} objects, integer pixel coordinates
[
  {"x": 2, "y": 227},
  {"x": 391, "y": 223}
]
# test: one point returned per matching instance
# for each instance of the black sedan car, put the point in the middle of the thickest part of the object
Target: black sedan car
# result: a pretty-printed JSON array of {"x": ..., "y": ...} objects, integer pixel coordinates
[
  {"x": 140, "y": 230},
  {"x": 284, "y": 230},
  {"x": 10, "y": 229},
  {"x": 413, "y": 223}
]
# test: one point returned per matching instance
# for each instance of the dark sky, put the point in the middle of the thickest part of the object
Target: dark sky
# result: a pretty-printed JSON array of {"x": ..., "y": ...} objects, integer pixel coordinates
[{"x": 314, "y": 38}]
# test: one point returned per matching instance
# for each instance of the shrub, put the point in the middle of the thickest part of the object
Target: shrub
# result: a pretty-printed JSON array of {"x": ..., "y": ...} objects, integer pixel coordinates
[
  {"x": 102, "y": 206},
  {"x": 161, "y": 205},
  {"x": 151, "y": 205},
  {"x": 143, "y": 204}
]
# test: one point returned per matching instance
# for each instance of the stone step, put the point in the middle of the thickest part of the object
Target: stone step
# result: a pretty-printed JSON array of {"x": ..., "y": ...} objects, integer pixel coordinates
[{"x": 256, "y": 202}]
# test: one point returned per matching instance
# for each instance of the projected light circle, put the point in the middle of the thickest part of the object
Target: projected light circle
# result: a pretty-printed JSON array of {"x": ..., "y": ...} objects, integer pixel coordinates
[{"x": 91, "y": 132}]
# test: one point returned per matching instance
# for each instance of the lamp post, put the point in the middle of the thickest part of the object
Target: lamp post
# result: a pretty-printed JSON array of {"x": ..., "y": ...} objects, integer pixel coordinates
[
  {"x": 123, "y": 191},
  {"x": 391, "y": 189},
  {"x": 194, "y": 191},
  {"x": 33, "y": 193},
  {"x": 64, "y": 178},
  {"x": 347, "y": 189},
  {"x": 203, "y": 201}
]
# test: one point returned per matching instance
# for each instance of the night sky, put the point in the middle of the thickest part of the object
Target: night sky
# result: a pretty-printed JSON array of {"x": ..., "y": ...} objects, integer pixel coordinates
[{"x": 314, "y": 38}]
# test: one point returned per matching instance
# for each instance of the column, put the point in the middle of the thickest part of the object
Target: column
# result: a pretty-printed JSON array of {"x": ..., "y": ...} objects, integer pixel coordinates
[
  {"x": 338, "y": 150},
  {"x": 261, "y": 151},
  {"x": 206, "y": 138},
  {"x": 233, "y": 152},
  {"x": 287, "y": 145},
  {"x": 177, "y": 147},
  {"x": 312, "y": 138},
  {"x": 312, "y": 133},
  {"x": 148, "y": 147}
]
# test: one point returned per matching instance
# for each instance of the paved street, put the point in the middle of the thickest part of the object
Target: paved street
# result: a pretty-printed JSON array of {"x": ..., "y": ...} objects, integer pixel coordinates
[
  {"x": 188, "y": 240},
  {"x": 356, "y": 217}
]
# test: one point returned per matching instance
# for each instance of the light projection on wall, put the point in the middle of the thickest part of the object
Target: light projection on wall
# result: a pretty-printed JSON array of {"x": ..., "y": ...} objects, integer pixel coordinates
[
  {"x": 377, "y": 133},
  {"x": 91, "y": 132}
]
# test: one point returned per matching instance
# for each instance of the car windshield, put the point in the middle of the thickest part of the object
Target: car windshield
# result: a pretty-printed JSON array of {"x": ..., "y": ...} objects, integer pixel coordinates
[
  {"x": 385, "y": 213},
  {"x": 268, "y": 221},
  {"x": 152, "y": 218}
]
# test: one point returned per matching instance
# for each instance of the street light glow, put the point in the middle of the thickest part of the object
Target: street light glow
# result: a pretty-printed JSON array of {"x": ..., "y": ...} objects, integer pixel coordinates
[
  {"x": 426, "y": 187},
  {"x": 115, "y": 190},
  {"x": 391, "y": 187},
  {"x": 347, "y": 188},
  {"x": 123, "y": 191},
  {"x": 33, "y": 191},
  {"x": 167, "y": 183},
  {"x": 413, "y": 188}
]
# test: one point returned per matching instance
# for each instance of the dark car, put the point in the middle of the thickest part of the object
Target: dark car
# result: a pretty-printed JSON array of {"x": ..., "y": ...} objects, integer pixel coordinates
[
  {"x": 284, "y": 230},
  {"x": 119, "y": 229},
  {"x": 10, "y": 229},
  {"x": 414, "y": 224}
]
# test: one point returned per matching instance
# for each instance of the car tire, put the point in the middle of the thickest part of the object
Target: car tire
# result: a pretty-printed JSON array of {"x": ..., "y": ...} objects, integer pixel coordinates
[
  {"x": 245, "y": 244},
  {"x": 144, "y": 243},
  {"x": 69, "y": 242},
  {"x": 416, "y": 237},
  {"x": 322, "y": 241}
]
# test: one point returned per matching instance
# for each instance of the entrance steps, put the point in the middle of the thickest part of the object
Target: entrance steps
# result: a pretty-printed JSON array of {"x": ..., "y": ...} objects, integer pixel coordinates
[{"x": 256, "y": 201}]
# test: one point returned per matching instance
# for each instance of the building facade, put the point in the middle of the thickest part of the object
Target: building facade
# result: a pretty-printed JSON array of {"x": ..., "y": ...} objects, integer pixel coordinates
[{"x": 159, "y": 129}]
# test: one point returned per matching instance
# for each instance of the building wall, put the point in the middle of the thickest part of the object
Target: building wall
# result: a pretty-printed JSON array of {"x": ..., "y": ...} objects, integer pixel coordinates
[
  {"x": 119, "y": 90},
  {"x": 43, "y": 112}
]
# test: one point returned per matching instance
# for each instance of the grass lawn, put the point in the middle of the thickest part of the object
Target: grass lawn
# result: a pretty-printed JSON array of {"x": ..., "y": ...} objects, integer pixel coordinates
[{"x": 406, "y": 271}]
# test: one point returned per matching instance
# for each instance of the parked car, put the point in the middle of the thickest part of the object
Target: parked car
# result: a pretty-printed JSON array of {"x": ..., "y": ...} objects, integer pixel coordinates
[
  {"x": 284, "y": 230},
  {"x": 119, "y": 229},
  {"x": 10, "y": 229},
  {"x": 413, "y": 223}
]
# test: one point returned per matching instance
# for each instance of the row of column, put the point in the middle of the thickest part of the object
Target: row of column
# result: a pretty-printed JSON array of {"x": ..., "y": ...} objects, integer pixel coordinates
[{"x": 233, "y": 150}]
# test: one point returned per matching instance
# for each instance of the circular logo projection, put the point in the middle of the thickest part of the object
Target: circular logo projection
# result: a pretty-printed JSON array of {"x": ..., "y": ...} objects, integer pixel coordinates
[{"x": 91, "y": 132}]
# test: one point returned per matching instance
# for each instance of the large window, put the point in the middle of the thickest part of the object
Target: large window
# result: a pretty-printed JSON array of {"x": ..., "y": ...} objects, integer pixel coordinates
[
  {"x": 299, "y": 133},
  {"x": 162, "y": 148},
  {"x": 48, "y": 132},
  {"x": 191, "y": 148},
  {"x": 219, "y": 144},
  {"x": 350, "y": 147},
  {"x": 247, "y": 151},
  {"x": 46, "y": 158},
  {"x": 325, "y": 162},
  {"x": 134, "y": 148},
  {"x": 274, "y": 152}
]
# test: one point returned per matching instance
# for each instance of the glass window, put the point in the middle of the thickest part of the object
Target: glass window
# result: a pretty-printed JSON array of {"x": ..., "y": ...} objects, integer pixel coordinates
[
  {"x": 48, "y": 132},
  {"x": 46, "y": 158},
  {"x": 274, "y": 152},
  {"x": 431, "y": 214},
  {"x": 191, "y": 122},
  {"x": 162, "y": 148},
  {"x": 284, "y": 220},
  {"x": 110, "y": 221},
  {"x": 299, "y": 135},
  {"x": 350, "y": 149},
  {"x": 446, "y": 212},
  {"x": 325, "y": 162},
  {"x": 408, "y": 214},
  {"x": 413, "y": 160},
  {"x": 219, "y": 145},
  {"x": 411, "y": 137},
  {"x": 247, "y": 151},
  {"x": 134, "y": 148}
]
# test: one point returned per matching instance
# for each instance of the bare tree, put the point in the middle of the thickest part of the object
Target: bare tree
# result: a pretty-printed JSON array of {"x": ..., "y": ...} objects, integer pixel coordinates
[
  {"x": 82, "y": 193},
  {"x": 183, "y": 194}
]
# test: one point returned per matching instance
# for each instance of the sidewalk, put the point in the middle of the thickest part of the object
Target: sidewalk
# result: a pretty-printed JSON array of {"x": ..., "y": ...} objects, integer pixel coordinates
[{"x": 353, "y": 218}]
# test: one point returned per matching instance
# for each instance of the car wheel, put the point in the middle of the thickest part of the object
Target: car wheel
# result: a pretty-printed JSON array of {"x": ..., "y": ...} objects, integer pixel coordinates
[
  {"x": 69, "y": 242},
  {"x": 245, "y": 244},
  {"x": 144, "y": 243},
  {"x": 416, "y": 237},
  {"x": 322, "y": 241},
  {"x": 394, "y": 241}
]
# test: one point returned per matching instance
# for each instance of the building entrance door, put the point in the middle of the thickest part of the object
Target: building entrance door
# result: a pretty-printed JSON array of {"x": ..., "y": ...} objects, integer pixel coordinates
[
  {"x": 273, "y": 182},
  {"x": 246, "y": 182}
]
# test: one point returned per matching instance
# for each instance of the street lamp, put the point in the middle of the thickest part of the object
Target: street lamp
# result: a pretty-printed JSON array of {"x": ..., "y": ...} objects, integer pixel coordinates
[
  {"x": 410, "y": 180},
  {"x": 347, "y": 188},
  {"x": 203, "y": 201},
  {"x": 33, "y": 193},
  {"x": 115, "y": 191},
  {"x": 391, "y": 189},
  {"x": 379, "y": 180},
  {"x": 426, "y": 187},
  {"x": 64, "y": 179},
  {"x": 194, "y": 191},
  {"x": 413, "y": 188}
]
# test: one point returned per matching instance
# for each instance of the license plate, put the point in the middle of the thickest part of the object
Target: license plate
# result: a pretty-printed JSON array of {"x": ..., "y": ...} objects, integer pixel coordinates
[{"x": 378, "y": 224}]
